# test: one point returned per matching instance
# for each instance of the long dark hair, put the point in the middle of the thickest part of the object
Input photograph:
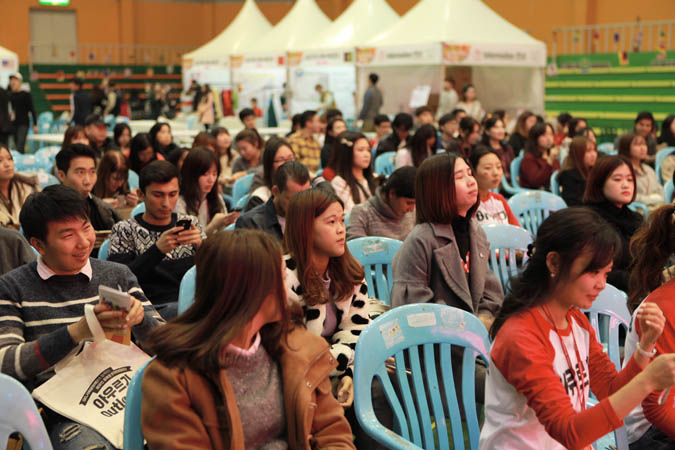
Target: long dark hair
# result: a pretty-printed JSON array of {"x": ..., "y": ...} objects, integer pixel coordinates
[
  {"x": 344, "y": 151},
  {"x": 532, "y": 143},
  {"x": 667, "y": 137},
  {"x": 139, "y": 143},
  {"x": 344, "y": 271},
  {"x": 271, "y": 148},
  {"x": 199, "y": 161},
  {"x": 16, "y": 182},
  {"x": 153, "y": 137},
  {"x": 650, "y": 248},
  {"x": 487, "y": 126},
  {"x": 435, "y": 198},
  {"x": 217, "y": 131},
  {"x": 118, "y": 131},
  {"x": 418, "y": 144},
  {"x": 236, "y": 271},
  {"x": 112, "y": 161},
  {"x": 569, "y": 233},
  {"x": 71, "y": 133}
]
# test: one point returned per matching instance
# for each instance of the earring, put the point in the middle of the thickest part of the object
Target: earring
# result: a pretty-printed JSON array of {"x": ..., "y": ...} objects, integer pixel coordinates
[{"x": 552, "y": 275}]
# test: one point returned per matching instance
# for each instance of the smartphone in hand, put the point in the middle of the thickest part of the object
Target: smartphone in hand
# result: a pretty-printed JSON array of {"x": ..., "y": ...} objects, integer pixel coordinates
[{"x": 185, "y": 223}]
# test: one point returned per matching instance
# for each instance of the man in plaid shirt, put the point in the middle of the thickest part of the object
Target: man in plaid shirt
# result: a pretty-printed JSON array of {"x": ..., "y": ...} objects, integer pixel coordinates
[{"x": 307, "y": 149}]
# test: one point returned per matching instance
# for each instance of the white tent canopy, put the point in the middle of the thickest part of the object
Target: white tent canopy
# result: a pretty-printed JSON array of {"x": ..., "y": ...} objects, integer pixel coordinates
[
  {"x": 304, "y": 21},
  {"x": 259, "y": 71},
  {"x": 9, "y": 64},
  {"x": 507, "y": 65},
  {"x": 329, "y": 58},
  {"x": 210, "y": 63}
]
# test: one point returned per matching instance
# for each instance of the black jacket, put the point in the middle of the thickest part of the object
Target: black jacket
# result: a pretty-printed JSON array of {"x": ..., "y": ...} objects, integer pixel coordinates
[
  {"x": 572, "y": 185},
  {"x": 82, "y": 107},
  {"x": 390, "y": 143},
  {"x": 626, "y": 223},
  {"x": 5, "y": 123},
  {"x": 262, "y": 217},
  {"x": 22, "y": 103}
]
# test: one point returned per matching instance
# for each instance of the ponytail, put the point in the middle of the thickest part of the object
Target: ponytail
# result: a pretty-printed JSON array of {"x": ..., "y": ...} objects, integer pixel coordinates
[{"x": 650, "y": 249}]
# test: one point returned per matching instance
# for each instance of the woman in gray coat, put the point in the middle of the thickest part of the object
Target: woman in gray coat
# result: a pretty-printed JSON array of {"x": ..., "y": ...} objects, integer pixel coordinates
[{"x": 444, "y": 259}]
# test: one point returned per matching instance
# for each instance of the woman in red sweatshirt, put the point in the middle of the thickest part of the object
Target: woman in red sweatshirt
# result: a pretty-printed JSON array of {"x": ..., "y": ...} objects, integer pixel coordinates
[{"x": 545, "y": 355}]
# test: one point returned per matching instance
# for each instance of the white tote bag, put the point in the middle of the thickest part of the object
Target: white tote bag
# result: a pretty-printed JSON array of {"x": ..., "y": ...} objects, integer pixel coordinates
[{"x": 91, "y": 387}]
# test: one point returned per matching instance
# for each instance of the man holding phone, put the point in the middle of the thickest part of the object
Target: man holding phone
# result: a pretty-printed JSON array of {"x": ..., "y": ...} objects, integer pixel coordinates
[{"x": 158, "y": 245}]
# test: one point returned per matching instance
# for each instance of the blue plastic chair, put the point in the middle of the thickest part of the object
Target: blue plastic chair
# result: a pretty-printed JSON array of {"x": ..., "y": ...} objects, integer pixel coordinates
[
  {"x": 375, "y": 255},
  {"x": 668, "y": 191},
  {"x": 133, "y": 434},
  {"x": 608, "y": 313},
  {"x": 103, "y": 250},
  {"x": 515, "y": 171},
  {"x": 505, "y": 240},
  {"x": 639, "y": 208},
  {"x": 191, "y": 121},
  {"x": 46, "y": 179},
  {"x": 606, "y": 147},
  {"x": 48, "y": 153},
  {"x": 347, "y": 219},
  {"x": 186, "y": 292},
  {"x": 109, "y": 121},
  {"x": 660, "y": 156},
  {"x": 402, "y": 332},
  {"x": 138, "y": 209},
  {"x": 241, "y": 203},
  {"x": 133, "y": 179},
  {"x": 532, "y": 207},
  {"x": 384, "y": 164},
  {"x": 509, "y": 188},
  {"x": 20, "y": 415},
  {"x": 555, "y": 186},
  {"x": 231, "y": 226},
  {"x": 241, "y": 187},
  {"x": 32, "y": 164}
]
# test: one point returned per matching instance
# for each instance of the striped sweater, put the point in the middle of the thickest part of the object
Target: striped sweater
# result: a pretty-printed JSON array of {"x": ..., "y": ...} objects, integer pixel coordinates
[{"x": 35, "y": 313}]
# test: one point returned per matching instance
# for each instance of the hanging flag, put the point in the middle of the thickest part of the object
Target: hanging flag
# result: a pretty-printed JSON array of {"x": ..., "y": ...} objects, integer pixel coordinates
[{"x": 617, "y": 37}]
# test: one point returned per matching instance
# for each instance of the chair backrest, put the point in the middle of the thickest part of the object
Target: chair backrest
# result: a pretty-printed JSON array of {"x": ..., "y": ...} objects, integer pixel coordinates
[
  {"x": 419, "y": 337},
  {"x": 241, "y": 187},
  {"x": 186, "y": 292},
  {"x": 49, "y": 152},
  {"x": 532, "y": 207},
  {"x": 384, "y": 164},
  {"x": 46, "y": 179},
  {"x": 668, "y": 191},
  {"x": 606, "y": 147},
  {"x": 191, "y": 121},
  {"x": 133, "y": 179},
  {"x": 608, "y": 312},
  {"x": 138, "y": 209},
  {"x": 103, "y": 250},
  {"x": 133, "y": 434},
  {"x": 660, "y": 156},
  {"x": 506, "y": 241},
  {"x": 515, "y": 171},
  {"x": 19, "y": 414},
  {"x": 32, "y": 163},
  {"x": 375, "y": 255},
  {"x": 639, "y": 208},
  {"x": 243, "y": 200},
  {"x": 555, "y": 186}
]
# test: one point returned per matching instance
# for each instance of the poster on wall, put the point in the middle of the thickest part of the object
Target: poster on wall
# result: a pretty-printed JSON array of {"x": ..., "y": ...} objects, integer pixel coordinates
[{"x": 340, "y": 80}]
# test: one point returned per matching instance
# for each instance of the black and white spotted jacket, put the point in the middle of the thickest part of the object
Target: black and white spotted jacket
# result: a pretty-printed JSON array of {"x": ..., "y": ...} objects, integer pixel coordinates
[{"x": 352, "y": 318}]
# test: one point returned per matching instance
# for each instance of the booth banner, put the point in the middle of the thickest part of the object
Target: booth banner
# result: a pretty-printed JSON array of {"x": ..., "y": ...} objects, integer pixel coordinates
[
  {"x": 486, "y": 54},
  {"x": 399, "y": 56},
  {"x": 335, "y": 57},
  {"x": 257, "y": 61}
]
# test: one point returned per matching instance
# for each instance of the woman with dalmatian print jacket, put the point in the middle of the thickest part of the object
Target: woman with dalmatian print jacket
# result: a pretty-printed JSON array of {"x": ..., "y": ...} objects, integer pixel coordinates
[{"x": 325, "y": 279}]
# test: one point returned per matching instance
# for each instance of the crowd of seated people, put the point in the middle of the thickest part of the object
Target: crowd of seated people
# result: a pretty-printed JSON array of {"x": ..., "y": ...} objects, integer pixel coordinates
[{"x": 281, "y": 298}]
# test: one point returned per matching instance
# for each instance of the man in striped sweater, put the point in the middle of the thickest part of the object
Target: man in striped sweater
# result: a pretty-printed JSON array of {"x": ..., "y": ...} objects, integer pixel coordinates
[{"x": 42, "y": 303}]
